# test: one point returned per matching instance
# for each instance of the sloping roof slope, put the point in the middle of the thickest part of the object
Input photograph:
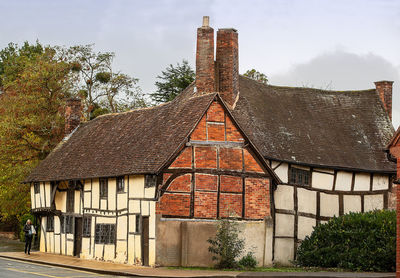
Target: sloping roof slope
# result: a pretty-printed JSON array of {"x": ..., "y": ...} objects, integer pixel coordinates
[
  {"x": 138, "y": 141},
  {"x": 342, "y": 129}
]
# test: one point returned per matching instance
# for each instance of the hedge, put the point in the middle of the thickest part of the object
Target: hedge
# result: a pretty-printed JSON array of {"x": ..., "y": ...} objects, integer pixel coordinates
[{"x": 355, "y": 241}]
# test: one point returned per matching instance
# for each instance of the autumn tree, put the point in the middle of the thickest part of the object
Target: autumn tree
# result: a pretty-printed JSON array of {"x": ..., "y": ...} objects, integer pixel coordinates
[
  {"x": 172, "y": 81},
  {"x": 102, "y": 89},
  {"x": 256, "y": 75},
  {"x": 31, "y": 118}
]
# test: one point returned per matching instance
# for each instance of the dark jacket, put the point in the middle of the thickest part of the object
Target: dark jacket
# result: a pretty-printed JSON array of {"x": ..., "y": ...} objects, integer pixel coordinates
[{"x": 27, "y": 228}]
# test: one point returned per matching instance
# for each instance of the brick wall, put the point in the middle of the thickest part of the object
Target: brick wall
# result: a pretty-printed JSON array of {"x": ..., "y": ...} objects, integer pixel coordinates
[
  {"x": 215, "y": 170},
  {"x": 384, "y": 89},
  {"x": 205, "y": 72},
  {"x": 73, "y": 112}
]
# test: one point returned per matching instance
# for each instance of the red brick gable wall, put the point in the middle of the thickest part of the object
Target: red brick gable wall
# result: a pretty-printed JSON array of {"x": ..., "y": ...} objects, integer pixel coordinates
[{"x": 215, "y": 175}]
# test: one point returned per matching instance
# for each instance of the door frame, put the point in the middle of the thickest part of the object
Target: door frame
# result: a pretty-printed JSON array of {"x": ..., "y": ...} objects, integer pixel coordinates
[
  {"x": 145, "y": 239},
  {"x": 76, "y": 220}
]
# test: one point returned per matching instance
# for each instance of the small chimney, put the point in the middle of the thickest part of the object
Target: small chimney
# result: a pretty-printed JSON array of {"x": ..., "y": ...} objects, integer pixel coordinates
[
  {"x": 227, "y": 62},
  {"x": 205, "y": 72},
  {"x": 73, "y": 107},
  {"x": 384, "y": 90}
]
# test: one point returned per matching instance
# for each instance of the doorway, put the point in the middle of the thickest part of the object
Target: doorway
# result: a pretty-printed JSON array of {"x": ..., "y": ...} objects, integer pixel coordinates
[
  {"x": 78, "y": 236},
  {"x": 145, "y": 240}
]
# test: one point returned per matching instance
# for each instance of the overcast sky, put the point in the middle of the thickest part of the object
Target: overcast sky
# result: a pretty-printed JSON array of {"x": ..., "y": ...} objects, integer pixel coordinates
[{"x": 337, "y": 44}]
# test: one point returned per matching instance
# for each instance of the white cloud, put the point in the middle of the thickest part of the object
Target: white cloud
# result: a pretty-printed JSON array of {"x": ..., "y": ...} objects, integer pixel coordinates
[{"x": 342, "y": 70}]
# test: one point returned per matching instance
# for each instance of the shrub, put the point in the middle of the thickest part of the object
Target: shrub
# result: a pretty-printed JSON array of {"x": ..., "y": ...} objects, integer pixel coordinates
[
  {"x": 355, "y": 241},
  {"x": 248, "y": 261},
  {"x": 226, "y": 246}
]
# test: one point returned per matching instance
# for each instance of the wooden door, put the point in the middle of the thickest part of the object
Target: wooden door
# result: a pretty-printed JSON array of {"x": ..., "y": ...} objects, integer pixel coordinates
[
  {"x": 78, "y": 236},
  {"x": 145, "y": 240}
]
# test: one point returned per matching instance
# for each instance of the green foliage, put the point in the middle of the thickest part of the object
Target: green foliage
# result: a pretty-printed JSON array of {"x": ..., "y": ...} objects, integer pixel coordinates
[
  {"x": 248, "y": 261},
  {"x": 104, "y": 90},
  {"x": 226, "y": 246},
  {"x": 35, "y": 82},
  {"x": 355, "y": 241},
  {"x": 172, "y": 81},
  {"x": 256, "y": 75}
]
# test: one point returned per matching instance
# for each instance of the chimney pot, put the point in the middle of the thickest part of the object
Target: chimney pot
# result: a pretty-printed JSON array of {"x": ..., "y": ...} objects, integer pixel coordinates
[
  {"x": 206, "y": 21},
  {"x": 384, "y": 90},
  {"x": 73, "y": 112}
]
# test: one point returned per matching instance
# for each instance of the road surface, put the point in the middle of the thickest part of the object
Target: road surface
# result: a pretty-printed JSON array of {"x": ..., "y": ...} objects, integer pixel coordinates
[{"x": 13, "y": 268}]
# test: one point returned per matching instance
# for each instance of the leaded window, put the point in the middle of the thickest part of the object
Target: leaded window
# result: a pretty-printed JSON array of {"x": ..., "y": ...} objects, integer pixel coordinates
[
  {"x": 62, "y": 224},
  {"x": 70, "y": 200},
  {"x": 87, "y": 226},
  {"x": 50, "y": 223},
  {"x": 103, "y": 187},
  {"x": 69, "y": 221},
  {"x": 120, "y": 184},
  {"x": 150, "y": 180},
  {"x": 36, "y": 187},
  {"x": 137, "y": 223},
  {"x": 105, "y": 233},
  {"x": 299, "y": 176}
]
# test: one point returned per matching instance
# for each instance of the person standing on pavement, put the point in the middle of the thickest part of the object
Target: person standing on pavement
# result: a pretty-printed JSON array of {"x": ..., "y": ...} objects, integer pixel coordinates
[{"x": 29, "y": 232}]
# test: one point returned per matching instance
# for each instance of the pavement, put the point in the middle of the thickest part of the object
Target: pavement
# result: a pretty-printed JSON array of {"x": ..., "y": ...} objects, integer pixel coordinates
[{"x": 115, "y": 269}]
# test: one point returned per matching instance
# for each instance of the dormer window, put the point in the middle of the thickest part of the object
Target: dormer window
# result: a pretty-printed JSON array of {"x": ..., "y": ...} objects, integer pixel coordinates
[{"x": 150, "y": 181}]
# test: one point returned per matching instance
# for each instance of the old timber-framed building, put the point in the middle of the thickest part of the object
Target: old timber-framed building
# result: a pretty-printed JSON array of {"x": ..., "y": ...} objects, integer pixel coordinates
[{"x": 146, "y": 186}]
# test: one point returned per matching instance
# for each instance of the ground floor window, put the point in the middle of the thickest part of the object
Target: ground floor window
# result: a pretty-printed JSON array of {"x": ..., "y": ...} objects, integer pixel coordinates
[
  {"x": 105, "y": 233},
  {"x": 50, "y": 223},
  {"x": 69, "y": 222},
  {"x": 87, "y": 226}
]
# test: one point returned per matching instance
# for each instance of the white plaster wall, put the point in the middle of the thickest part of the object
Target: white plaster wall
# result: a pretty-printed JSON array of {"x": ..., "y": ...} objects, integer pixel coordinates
[
  {"x": 372, "y": 202},
  {"x": 86, "y": 199},
  {"x": 149, "y": 192},
  {"x": 60, "y": 200},
  {"x": 37, "y": 200},
  {"x": 362, "y": 182},
  {"x": 136, "y": 184},
  {"x": 86, "y": 185},
  {"x": 122, "y": 200},
  {"x": 121, "y": 252},
  {"x": 145, "y": 208},
  {"x": 138, "y": 250},
  {"x": 85, "y": 248},
  {"x": 131, "y": 247},
  {"x": 305, "y": 226},
  {"x": 95, "y": 193},
  {"x": 283, "y": 197},
  {"x": 109, "y": 252},
  {"x": 77, "y": 201},
  {"x": 284, "y": 251},
  {"x": 152, "y": 220},
  {"x": 380, "y": 182},
  {"x": 322, "y": 181},
  {"x": 343, "y": 181},
  {"x": 122, "y": 227},
  {"x": 42, "y": 195},
  {"x": 284, "y": 225},
  {"x": 329, "y": 205},
  {"x": 43, "y": 234},
  {"x": 33, "y": 199},
  {"x": 99, "y": 251},
  {"x": 57, "y": 245},
  {"x": 134, "y": 206},
  {"x": 48, "y": 193},
  {"x": 281, "y": 171},
  {"x": 307, "y": 201},
  {"x": 103, "y": 204},
  {"x": 351, "y": 203},
  {"x": 152, "y": 252}
]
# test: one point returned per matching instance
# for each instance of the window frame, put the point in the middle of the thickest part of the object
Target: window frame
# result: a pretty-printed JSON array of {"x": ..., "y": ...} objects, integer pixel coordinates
[
  {"x": 105, "y": 234},
  {"x": 69, "y": 224},
  {"x": 150, "y": 181},
  {"x": 87, "y": 226},
  {"x": 299, "y": 176},
  {"x": 70, "y": 205},
  {"x": 50, "y": 223},
  {"x": 120, "y": 180},
  {"x": 138, "y": 224},
  {"x": 36, "y": 187},
  {"x": 103, "y": 184}
]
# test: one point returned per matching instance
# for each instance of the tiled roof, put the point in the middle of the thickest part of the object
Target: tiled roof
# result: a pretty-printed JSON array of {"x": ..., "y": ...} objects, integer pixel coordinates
[
  {"x": 138, "y": 141},
  {"x": 340, "y": 129}
]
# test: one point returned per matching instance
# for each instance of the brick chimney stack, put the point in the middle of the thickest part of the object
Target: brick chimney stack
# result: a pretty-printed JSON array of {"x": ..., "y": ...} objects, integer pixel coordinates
[
  {"x": 73, "y": 108},
  {"x": 384, "y": 90},
  {"x": 227, "y": 64},
  {"x": 205, "y": 71}
]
